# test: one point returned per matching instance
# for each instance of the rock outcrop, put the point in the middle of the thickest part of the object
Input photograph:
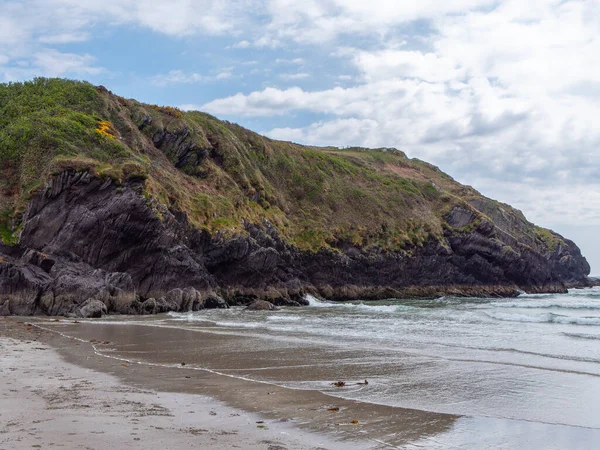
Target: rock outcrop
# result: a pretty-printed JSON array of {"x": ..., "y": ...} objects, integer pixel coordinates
[{"x": 261, "y": 305}]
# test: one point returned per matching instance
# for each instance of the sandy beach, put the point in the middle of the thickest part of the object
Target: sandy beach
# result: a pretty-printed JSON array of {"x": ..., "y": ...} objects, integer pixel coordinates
[
  {"x": 230, "y": 379},
  {"x": 66, "y": 383},
  {"x": 46, "y": 402}
]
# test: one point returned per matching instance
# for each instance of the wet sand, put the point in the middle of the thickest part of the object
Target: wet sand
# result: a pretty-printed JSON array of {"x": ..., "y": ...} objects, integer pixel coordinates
[
  {"x": 154, "y": 398},
  {"x": 46, "y": 402}
]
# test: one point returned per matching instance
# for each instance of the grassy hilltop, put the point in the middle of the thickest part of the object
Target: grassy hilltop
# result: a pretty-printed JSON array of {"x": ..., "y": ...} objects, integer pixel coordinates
[{"x": 222, "y": 175}]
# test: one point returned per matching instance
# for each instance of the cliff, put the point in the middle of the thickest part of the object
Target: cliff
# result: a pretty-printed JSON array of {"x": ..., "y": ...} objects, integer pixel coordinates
[{"x": 111, "y": 205}]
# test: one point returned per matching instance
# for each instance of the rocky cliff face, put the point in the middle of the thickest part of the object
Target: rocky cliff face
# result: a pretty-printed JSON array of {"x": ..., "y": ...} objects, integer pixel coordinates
[
  {"x": 206, "y": 214},
  {"x": 89, "y": 247}
]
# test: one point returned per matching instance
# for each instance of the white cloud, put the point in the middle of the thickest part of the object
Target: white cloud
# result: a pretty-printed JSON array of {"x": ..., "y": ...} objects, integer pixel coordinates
[
  {"x": 181, "y": 77},
  {"x": 10, "y": 32},
  {"x": 294, "y": 76},
  {"x": 267, "y": 41},
  {"x": 385, "y": 64},
  {"x": 317, "y": 21},
  {"x": 265, "y": 103},
  {"x": 55, "y": 64},
  {"x": 189, "y": 107},
  {"x": 175, "y": 18},
  {"x": 271, "y": 101},
  {"x": 422, "y": 107},
  {"x": 224, "y": 75},
  {"x": 340, "y": 132},
  {"x": 64, "y": 38},
  {"x": 32, "y": 27},
  {"x": 50, "y": 63},
  {"x": 241, "y": 44},
  {"x": 559, "y": 202},
  {"x": 298, "y": 61}
]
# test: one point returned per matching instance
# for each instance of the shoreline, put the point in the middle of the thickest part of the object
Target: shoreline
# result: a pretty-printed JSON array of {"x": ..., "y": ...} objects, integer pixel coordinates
[
  {"x": 284, "y": 384},
  {"x": 223, "y": 298},
  {"x": 304, "y": 417}
]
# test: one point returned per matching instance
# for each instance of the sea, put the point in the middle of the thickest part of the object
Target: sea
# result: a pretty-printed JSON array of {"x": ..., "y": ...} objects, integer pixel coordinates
[{"x": 520, "y": 372}]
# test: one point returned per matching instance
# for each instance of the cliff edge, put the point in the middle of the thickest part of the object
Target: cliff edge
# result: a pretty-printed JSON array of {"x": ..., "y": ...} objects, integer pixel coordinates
[{"x": 108, "y": 205}]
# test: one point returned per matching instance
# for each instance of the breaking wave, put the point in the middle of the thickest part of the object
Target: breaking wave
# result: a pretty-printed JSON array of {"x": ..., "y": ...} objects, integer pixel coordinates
[
  {"x": 360, "y": 306},
  {"x": 545, "y": 318}
]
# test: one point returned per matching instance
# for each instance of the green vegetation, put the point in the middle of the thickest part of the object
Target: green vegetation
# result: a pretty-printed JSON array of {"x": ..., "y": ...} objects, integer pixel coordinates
[
  {"x": 551, "y": 240},
  {"x": 47, "y": 125},
  {"x": 219, "y": 173},
  {"x": 7, "y": 235}
]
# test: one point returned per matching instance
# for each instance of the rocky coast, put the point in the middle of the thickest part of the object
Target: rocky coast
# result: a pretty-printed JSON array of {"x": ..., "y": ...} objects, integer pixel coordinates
[{"x": 110, "y": 206}]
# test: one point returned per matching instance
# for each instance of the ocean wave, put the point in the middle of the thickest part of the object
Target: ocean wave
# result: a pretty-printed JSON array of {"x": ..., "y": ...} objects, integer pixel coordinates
[
  {"x": 547, "y": 304},
  {"x": 240, "y": 324},
  {"x": 544, "y": 355},
  {"x": 361, "y": 306},
  {"x": 283, "y": 318},
  {"x": 583, "y": 336},
  {"x": 381, "y": 308},
  {"x": 195, "y": 317},
  {"x": 545, "y": 318},
  {"x": 525, "y": 295},
  {"x": 188, "y": 317},
  {"x": 316, "y": 303},
  {"x": 593, "y": 291}
]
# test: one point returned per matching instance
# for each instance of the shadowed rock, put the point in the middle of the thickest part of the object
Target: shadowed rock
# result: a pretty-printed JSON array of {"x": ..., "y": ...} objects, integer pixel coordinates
[
  {"x": 262, "y": 305},
  {"x": 92, "y": 309}
]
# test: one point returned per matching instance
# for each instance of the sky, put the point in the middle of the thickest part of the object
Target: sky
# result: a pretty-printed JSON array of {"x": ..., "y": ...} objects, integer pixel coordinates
[{"x": 502, "y": 95}]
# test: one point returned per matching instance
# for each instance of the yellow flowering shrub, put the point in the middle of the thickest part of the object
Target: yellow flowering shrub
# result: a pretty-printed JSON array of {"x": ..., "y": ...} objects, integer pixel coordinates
[{"x": 105, "y": 128}]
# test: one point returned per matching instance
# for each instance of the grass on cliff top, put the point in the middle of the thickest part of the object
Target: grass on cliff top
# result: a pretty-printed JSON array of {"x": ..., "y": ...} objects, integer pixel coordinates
[
  {"x": 49, "y": 120},
  {"x": 219, "y": 173},
  {"x": 46, "y": 126}
]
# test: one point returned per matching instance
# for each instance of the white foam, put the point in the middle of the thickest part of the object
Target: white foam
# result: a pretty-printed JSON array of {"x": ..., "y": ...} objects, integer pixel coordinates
[
  {"x": 361, "y": 306},
  {"x": 594, "y": 291},
  {"x": 188, "y": 317},
  {"x": 283, "y": 318},
  {"x": 551, "y": 303},
  {"x": 545, "y": 318},
  {"x": 239, "y": 324},
  {"x": 315, "y": 302}
]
